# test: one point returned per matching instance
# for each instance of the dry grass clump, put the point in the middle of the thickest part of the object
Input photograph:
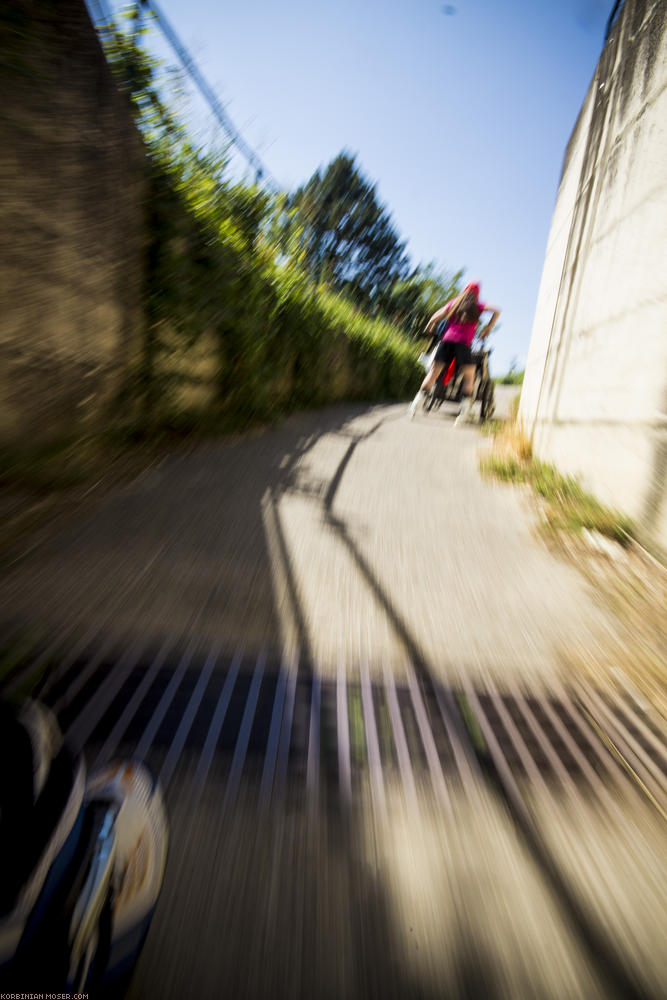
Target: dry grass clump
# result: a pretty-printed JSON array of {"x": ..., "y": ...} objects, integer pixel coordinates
[
  {"x": 511, "y": 453},
  {"x": 565, "y": 505},
  {"x": 632, "y": 586},
  {"x": 625, "y": 580}
]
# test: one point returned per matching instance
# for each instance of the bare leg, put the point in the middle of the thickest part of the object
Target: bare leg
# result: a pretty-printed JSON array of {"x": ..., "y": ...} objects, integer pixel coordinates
[
  {"x": 426, "y": 386},
  {"x": 468, "y": 379},
  {"x": 468, "y": 389},
  {"x": 434, "y": 374}
]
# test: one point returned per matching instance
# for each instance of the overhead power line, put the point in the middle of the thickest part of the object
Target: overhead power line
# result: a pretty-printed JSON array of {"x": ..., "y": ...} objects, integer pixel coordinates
[
  {"x": 103, "y": 20},
  {"x": 100, "y": 14},
  {"x": 262, "y": 175}
]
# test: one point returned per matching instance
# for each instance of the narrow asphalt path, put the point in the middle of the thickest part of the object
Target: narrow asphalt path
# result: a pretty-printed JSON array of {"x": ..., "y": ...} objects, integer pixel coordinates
[
  {"x": 405, "y": 807},
  {"x": 352, "y": 532}
]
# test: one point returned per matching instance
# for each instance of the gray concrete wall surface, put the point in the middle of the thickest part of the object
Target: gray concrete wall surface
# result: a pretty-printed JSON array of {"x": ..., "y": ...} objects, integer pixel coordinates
[
  {"x": 71, "y": 223},
  {"x": 595, "y": 392}
]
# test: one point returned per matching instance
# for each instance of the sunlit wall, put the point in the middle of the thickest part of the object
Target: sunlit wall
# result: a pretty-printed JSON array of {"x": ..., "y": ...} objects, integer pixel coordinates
[
  {"x": 71, "y": 224},
  {"x": 595, "y": 391}
]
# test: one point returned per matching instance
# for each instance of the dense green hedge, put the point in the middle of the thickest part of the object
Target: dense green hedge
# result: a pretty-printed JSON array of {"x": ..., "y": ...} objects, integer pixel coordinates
[
  {"x": 235, "y": 329},
  {"x": 267, "y": 339}
]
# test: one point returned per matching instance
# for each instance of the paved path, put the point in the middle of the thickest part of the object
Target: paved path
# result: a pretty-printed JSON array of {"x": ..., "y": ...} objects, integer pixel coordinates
[
  {"x": 352, "y": 532},
  {"x": 336, "y": 829}
]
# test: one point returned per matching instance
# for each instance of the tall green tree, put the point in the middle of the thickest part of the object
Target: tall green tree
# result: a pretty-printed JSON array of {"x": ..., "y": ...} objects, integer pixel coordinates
[
  {"x": 412, "y": 301},
  {"x": 346, "y": 236}
]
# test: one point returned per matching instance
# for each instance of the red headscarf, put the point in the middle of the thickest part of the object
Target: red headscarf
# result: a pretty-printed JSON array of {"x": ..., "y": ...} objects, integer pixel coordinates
[{"x": 472, "y": 287}]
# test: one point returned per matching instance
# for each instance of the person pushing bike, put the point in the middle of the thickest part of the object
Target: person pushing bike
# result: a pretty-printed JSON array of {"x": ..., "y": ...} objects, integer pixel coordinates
[{"x": 462, "y": 316}]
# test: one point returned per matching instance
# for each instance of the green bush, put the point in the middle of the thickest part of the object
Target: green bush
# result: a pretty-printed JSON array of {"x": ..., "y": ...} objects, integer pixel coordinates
[
  {"x": 222, "y": 295},
  {"x": 567, "y": 506},
  {"x": 510, "y": 378}
]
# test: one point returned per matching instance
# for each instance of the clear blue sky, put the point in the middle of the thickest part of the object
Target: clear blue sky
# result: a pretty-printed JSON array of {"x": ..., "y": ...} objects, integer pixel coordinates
[{"x": 459, "y": 112}]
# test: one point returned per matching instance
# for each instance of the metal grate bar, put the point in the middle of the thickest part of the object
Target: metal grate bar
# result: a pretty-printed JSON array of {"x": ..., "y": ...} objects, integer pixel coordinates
[
  {"x": 130, "y": 710},
  {"x": 591, "y": 737},
  {"x": 286, "y": 731},
  {"x": 646, "y": 707},
  {"x": 67, "y": 662},
  {"x": 400, "y": 741},
  {"x": 274, "y": 738},
  {"x": 635, "y": 754},
  {"x": 343, "y": 736},
  {"x": 215, "y": 727},
  {"x": 185, "y": 724},
  {"x": 372, "y": 744},
  {"x": 81, "y": 728},
  {"x": 83, "y": 676},
  {"x": 313, "y": 766},
  {"x": 158, "y": 715},
  {"x": 500, "y": 761},
  {"x": 29, "y": 669},
  {"x": 544, "y": 742},
  {"x": 648, "y": 735},
  {"x": 583, "y": 763},
  {"x": 241, "y": 748},
  {"x": 83, "y": 643},
  {"x": 466, "y": 765},
  {"x": 525, "y": 756},
  {"x": 534, "y": 740},
  {"x": 428, "y": 742}
]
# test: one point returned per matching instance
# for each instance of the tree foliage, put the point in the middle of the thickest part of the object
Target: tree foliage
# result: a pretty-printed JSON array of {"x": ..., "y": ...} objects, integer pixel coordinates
[
  {"x": 346, "y": 236},
  {"x": 411, "y": 302},
  {"x": 228, "y": 289},
  {"x": 513, "y": 376}
]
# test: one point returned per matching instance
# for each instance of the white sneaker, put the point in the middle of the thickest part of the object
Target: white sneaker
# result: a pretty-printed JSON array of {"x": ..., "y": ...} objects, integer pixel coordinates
[
  {"x": 415, "y": 403},
  {"x": 464, "y": 412}
]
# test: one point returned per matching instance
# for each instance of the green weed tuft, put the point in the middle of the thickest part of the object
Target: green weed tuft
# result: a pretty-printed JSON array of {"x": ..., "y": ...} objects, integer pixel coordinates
[{"x": 565, "y": 503}]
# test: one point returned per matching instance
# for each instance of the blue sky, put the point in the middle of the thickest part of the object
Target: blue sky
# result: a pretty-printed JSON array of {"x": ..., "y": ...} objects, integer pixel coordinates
[{"x": 459, "y": 112}]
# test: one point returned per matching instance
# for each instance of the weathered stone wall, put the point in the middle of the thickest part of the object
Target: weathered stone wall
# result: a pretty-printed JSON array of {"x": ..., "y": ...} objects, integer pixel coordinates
[
  {"x": 595, "y": 390},
  {"x": 71, "y": 224}
]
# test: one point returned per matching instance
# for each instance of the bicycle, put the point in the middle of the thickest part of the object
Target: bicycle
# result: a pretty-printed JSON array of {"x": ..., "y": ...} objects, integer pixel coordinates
[{"x": 449, "y": 386}]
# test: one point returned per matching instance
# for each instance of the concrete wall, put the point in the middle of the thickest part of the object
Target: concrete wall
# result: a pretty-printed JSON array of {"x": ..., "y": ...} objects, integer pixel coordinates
[
  {"x": 595, "y": 390},
  {"x": 71, "y": 224}
]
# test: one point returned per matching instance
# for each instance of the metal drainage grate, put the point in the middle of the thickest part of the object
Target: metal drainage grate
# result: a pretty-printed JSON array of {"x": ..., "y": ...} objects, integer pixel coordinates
[
  {"x": 241, "y": 717},
  {"x": 578, "y": 740}
]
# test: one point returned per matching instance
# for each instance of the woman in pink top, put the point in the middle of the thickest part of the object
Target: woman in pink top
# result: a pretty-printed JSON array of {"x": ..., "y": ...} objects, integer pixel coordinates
[{"x": 463, "y": 314}]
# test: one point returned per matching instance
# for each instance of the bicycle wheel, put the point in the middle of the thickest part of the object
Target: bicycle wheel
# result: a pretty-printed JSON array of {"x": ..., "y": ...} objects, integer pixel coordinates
[{"x": 488, "y": 401}]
